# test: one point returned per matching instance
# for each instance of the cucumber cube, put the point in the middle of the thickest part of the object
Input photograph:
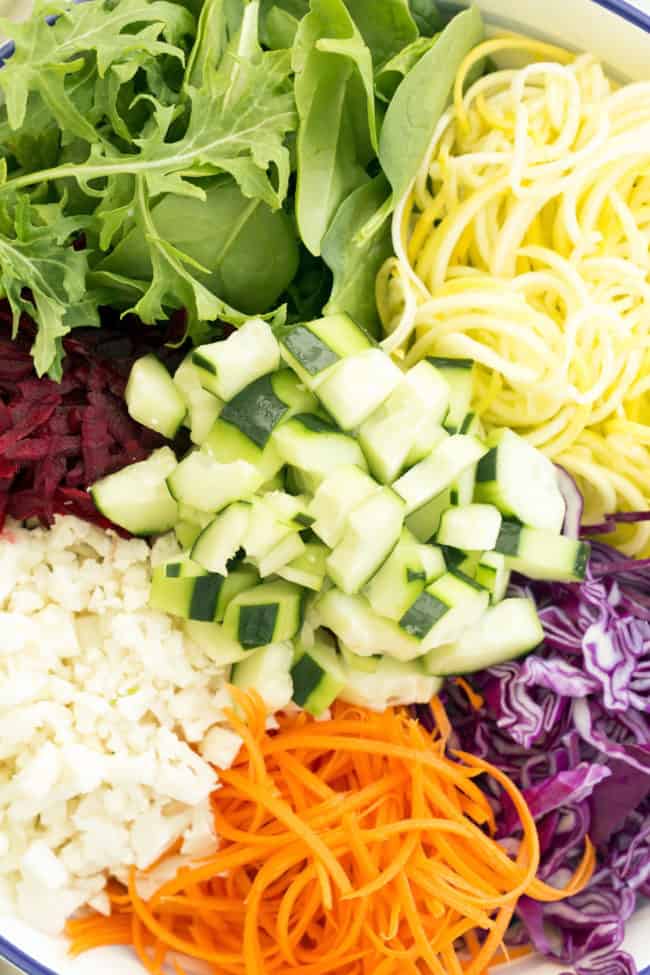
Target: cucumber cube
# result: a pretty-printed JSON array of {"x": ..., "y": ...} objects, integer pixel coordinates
[
  {"x": 356, "y": 386},
  {"x": 204, "y": 483},
  {"x": 152, "y": 399},
  {"x": 269, "y": 613},
  {"x": 227, "y": 367}
]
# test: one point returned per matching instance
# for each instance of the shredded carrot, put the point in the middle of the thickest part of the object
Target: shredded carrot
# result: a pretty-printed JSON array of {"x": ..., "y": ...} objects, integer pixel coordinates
[
  {"x": 476, "y": 700},
  {"x": 354, "y": 846}
]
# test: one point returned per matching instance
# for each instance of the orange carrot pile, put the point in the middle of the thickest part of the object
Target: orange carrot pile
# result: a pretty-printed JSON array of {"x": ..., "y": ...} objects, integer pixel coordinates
[{"x": 353, "y": 846}]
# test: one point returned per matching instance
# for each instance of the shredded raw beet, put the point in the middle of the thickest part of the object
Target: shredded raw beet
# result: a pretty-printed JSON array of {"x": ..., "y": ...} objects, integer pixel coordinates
[{"x": 58, "y": 438}]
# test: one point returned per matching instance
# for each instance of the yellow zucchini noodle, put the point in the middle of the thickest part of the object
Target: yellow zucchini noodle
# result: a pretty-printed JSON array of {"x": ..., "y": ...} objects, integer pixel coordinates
[{"x": 524, "y": 244}]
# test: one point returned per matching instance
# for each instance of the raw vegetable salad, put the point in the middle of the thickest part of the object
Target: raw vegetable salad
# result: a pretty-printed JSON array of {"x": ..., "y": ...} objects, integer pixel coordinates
[{"x": 335, "y": 329}]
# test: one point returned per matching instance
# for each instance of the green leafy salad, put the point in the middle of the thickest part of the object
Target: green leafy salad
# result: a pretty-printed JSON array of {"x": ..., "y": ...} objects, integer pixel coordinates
[{"x": 227, "y": 158}]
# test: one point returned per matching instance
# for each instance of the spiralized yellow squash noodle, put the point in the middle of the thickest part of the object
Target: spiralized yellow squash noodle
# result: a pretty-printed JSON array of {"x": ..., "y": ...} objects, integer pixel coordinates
[{"x": 524, "y": 244}]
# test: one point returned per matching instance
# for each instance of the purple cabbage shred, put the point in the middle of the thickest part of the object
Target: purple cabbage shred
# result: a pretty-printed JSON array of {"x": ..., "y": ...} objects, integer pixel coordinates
[{"x": 570, "y": 724}]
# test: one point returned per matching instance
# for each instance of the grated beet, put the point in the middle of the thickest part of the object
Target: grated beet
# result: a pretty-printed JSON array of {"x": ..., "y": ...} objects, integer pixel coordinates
[{"x": 58, "y": 438}]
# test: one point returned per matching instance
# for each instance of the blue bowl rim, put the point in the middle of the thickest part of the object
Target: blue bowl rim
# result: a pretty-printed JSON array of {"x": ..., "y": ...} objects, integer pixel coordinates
[{"x": 10, "y": 952}]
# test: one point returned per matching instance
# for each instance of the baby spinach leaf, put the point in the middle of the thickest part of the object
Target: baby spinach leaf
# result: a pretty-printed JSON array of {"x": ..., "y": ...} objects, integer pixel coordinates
[
  {"x": 386, "y": 27},
  {"x": 36, "y": 255},
  {"x": 427, "y": 16},
  {"x": 422, "y": 97},
  {"x": 390, "y": 75},
  {"x": 279, "y": 21},
  {"x": 416, "y": 107},
  {"x": 337, "y": 129},
  {"x": 355, "y": 263},
  {"x": 243, "y": 251},
  {"x": 310, "y": 288},
  {"x": 280, "y": 29}
]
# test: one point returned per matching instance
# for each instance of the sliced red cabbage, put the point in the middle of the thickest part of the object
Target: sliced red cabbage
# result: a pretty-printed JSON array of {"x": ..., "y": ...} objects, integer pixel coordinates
[
  {"x": 570, "y": 725},
  {"x": 573, "y": 501}
]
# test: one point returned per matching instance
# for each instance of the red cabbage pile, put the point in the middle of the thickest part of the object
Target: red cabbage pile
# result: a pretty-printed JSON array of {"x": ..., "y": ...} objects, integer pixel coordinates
[
  {"x": 58, "y": 438},
  {"x": 570, "y": 724}
]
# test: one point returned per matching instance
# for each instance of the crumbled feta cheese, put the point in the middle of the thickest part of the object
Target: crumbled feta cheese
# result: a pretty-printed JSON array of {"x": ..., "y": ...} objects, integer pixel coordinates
[{"x": 109, "y": 721}]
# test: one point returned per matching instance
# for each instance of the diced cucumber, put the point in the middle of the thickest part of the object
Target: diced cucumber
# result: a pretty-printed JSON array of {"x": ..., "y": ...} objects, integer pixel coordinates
[
  {"x": 472, "y": 425},
  {"x": 425, "y": 521},
  {"x": 428, "y": 434},
  {"x": 339, "y": 493},
  {"x": 439, "y": 470},
  {"x": 492, "y": 572},
  {"x": 465, "y": 562},
  {"x": 361, "y": 630},
  {"x": 227, "y": 444},
  {"x": 187, "y": 532},
  {"x": 269, "y": 613},
  {"x": 392, "y": 684},
  {"x": 400, "y": 580},
  {"x": 191, "y": 597},
  {"x": 267, "y": 671},
  {"x": 244, "y": 428},
  {"x": 302, "y": 482},
  {"x": 201, "y": 481},
  {"x": 318, "y": 676},
  {"x": 371, "y": 532},
  {"x": 291, "y": 547},
  {"x": 542, "y": 555},
  {"x": 223, "y": 538},
  {"x": 458, "y": 374},
  {"x": 462, "y": 490},
  {"x": 521, "y": 481},
  {"x": 356, "y": 386},
  {"x": 290, "y": 508},
  {"x": 411, "y": 414},
  {"x": 180, "y": 567},
  {"x": 152, "y": 399},
  {"x": 137, "y": 497},
  {"x": 261, "y": 406},
  {"x": 266, "y": 529},
  {"x": 474, "y": 527},
  {"x": 505, "y": 631},
  {"x": 311, "y": 349},
  {"x": 312, "y": 444},
  {"x": 275, "y": 483},
  {"x": 211, "y": 638},
  {"x": 433, "y": 562},
  {"x": 203, "y": 408},
  {"x": 356, "y": 662},
  {"x": 444, "y": 609},
  {"x": 227, "y": 367},
  {"x": 309, "y": 568},
  {"x": 202, "y": 596}
]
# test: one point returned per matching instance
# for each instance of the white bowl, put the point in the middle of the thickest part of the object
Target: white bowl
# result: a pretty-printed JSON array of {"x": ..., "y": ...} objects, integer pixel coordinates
[{"x": 618, "y": 33}]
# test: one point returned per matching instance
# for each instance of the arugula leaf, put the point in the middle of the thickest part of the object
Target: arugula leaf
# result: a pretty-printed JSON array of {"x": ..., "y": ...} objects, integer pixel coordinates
[
  {"x": 34, "y": 256},
  {"x": 46, "y": 55},
  {"x": 355, "y": 264},
  {"x": 392, "y": 73},
  {"x": 248, "y": 253},
  {"x": 337, "y": 131},
  {"x": 427, "y": 16},
  {"x": 387, "y": 27}
]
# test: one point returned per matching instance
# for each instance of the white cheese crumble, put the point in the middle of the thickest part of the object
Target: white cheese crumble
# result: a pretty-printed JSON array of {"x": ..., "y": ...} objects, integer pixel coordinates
[{"x": 109, "y": 718}]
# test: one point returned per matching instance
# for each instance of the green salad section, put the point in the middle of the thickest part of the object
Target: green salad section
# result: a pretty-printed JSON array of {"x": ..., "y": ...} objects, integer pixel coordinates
[
  {"x": 343, "y": 508},
  {"x": 232, "y": 158}
]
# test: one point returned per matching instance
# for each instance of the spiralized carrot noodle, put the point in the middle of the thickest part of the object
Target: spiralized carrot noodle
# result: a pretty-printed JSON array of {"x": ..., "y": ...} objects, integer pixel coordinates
[{"x": 358, "y": 845}]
